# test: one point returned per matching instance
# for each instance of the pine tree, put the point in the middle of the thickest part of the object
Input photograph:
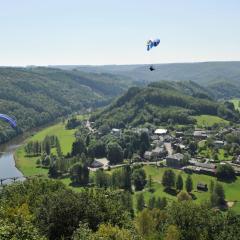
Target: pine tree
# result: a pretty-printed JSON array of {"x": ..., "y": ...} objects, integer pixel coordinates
[
  {"x": 151, "y": 202},
  {"x": 140, "y": 202},
  {"x": 179, "y": 183},
  {"x": 189, "y": 184}
]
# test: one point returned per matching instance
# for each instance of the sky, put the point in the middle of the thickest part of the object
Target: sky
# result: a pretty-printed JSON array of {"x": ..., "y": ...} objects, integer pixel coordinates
[{"x": 100, "y": 32}]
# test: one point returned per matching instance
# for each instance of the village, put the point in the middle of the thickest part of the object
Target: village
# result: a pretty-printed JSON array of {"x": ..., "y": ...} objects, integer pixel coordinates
[{"x": 176, "y": 149}]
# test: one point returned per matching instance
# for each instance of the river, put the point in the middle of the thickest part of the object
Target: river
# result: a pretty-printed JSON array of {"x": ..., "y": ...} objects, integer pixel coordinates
[{"x": 7, "y": 162}]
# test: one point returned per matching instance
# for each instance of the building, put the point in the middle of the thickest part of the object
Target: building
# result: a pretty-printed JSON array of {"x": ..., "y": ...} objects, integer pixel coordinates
[
  {"x": 100, "y": 163},
  {"x": 158, "y": 152},
  {"x": 206, "y": 168},
  {"x": 202, "y": 187},
  {"x": 179, "y": 134},
  {"x": 148, "y": 155},
  {"x": 200, "y": 134},
  {"x": 161, "y": 131},
  {"x": 219, "y": 143},
  {"x": 175, "y": 160},
  {"x": 116, "y": 132},
  {"x": 96, "y": 164}
]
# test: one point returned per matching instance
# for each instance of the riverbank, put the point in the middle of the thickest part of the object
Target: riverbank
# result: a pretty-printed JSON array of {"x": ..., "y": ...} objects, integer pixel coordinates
[{"x": 27, "y": 165}]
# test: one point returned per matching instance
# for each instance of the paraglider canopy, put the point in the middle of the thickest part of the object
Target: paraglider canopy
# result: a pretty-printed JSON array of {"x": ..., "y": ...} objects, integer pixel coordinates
[
  {"x": 8, "y": 119},
  {"x": 152, "y": 43}
]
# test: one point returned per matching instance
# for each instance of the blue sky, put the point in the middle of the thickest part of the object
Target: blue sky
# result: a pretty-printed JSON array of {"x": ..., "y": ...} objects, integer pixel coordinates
[{"x": 96, "y": 32}]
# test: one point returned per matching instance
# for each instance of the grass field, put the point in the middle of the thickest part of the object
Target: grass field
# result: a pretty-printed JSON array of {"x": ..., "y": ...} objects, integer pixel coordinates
[
  {"x": 209, "y": 120},
  {"x": 236, "y": 103},
  {"x": 231, "y": 189},
  {"x": 27, "y": 165}
]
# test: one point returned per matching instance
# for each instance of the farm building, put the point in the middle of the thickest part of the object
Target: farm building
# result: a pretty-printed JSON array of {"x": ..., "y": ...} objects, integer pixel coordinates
[{"x": 174, "y": 160}]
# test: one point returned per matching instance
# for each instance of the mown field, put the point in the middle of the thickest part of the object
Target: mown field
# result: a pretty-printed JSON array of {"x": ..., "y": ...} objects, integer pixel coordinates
[
  {"x": 231, "y": 189},
  {"x": 209, "y": 120},
  {"x": 27, "y": 165}
]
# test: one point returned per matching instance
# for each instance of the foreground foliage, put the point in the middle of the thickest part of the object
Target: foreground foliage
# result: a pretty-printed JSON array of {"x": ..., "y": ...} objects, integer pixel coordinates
[{"x": 45, "y": 209}]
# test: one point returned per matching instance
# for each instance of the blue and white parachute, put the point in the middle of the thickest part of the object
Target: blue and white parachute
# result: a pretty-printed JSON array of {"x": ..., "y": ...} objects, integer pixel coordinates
[
  {"x": 8, "y": 119},
  {"x": 152, "y": 43}
]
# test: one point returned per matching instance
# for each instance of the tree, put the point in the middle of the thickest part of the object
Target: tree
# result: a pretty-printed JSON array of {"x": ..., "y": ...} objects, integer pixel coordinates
[
  {"x": 79, "y": 174},
  {"x": 183, "y": 196},
  {"x": 109, "y": 232},
  {"x": 172, "y": 233},
  {"x": 211, "y": 188},
  {"x": 97, "y": 149},
  {"x": 189, "y": 184},
  {"x": 161, "y": 203},
  {"x": 151, "y": 202},
  {"x": 225, "y": 172},
  {"x": 78, "y": 147},
  {"x": 179, "y": 182},
  {"x": 102, "y": 179},
  {"x": 114, "y": 153},
  {"x": 218, "y": 196},
  {"x": 168, "y": 179},
  {"x": 139, "y": 178},
  {"x": 52, "y": 172},
  {"x": 193, "y": 147},
  {"x": 83, "y": 232},
  {"x": 87, "y": 140},
  {"x": 140, "y": 202},
  {"x": 127, "y": 174},
  {"x": 145, "y": 224},
  {"x": 150, "y": 184}
]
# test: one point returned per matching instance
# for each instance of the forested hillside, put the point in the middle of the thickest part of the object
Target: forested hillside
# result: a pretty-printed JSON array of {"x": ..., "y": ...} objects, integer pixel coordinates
[
  {"x": 222, "y": 78},
  {"x": 36, "y": 96},
  {"x": 163, "y": 102}
]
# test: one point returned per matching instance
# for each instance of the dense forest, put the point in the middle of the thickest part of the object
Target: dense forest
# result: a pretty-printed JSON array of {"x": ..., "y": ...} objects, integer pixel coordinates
[
  {"x": 222, "y": 78},
  {"x": 46, "y": 209},
  {"x": 36, "y": 96},
  {"x": 163, "y": 103}
]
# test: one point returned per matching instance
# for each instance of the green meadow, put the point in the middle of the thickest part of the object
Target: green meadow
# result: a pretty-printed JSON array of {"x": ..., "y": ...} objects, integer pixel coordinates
[
  {"x": 231, "y": 189},
  {"x": 236, "y": 103},
  {"x": 209, "y": 120},
  {"x": 27, "y": 165}
]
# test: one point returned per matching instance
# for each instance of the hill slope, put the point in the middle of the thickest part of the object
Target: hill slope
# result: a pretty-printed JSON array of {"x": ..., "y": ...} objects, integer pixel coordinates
[
  {"x": 214, "y": 75},
  {"x": 162, "y": 103},
  {"x": 35, "y": 96}
]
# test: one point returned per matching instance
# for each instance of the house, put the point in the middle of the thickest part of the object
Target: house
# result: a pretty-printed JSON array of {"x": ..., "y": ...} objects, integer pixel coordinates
[
  {"x": 174, "y": 160},
  {"x": 206, "y": 168},
  {"x": 100, "y": 163},
  {"x": 148, "y": 155},
  {"x": 140, "y": 130},
  {"x": 179, "y": 134},
  {"x": 200, "y": 134},
  {"x": 96, "y": 164},
  {"x": 161, "y": 131},
  {"x": 116, "y": 132},
  {"x": 219, "y": 143},
  {"x": 157, "y": 143},
  {"x": 202, "y": 187},
  {"x": 237, "y": 161},
  {"x": 158, "y": 152}
]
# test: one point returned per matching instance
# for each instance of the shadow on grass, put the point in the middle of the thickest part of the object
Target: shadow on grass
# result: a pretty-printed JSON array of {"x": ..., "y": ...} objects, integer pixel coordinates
[
  {"x": 171, "y": 191},
  {"x": 193, "y": 196},
  {"x": 227, "y": 180}
]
